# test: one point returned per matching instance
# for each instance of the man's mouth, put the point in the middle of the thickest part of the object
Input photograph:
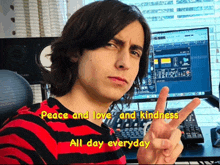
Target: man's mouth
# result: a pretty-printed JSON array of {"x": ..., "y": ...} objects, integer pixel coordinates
[{"x": 119, "y": 80}]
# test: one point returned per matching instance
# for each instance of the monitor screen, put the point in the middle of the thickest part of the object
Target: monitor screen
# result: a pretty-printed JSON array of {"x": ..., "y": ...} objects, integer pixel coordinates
[{"x": 180, "y": 60}]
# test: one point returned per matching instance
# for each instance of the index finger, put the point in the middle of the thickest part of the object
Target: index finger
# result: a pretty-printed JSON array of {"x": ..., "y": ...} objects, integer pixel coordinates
[
  {"x": 161, "y": 101},
  {"x": 185, "y": 112}
]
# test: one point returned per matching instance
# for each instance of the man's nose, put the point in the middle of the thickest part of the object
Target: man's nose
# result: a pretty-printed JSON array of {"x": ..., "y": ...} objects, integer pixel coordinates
[{"x": 123, "y": 60}]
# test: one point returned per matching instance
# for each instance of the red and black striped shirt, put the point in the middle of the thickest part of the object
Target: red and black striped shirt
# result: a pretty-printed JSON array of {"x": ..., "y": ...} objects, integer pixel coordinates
[{"x": 29, "y": 139}]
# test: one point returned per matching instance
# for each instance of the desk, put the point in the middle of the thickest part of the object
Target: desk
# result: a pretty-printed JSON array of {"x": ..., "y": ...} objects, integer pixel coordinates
[{"x": 197, "y": 152}]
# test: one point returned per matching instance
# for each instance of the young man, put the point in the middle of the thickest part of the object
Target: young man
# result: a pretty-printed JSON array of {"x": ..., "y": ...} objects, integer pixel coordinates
[{"x": 101, "y": 57}]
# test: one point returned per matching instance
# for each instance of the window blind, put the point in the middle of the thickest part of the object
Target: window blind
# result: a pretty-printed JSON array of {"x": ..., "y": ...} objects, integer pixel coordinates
[{"x": 40, "y": 18}]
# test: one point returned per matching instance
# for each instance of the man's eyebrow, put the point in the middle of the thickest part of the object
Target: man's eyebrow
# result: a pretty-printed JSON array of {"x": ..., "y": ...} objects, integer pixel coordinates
[{"x": 121, "y": 42}]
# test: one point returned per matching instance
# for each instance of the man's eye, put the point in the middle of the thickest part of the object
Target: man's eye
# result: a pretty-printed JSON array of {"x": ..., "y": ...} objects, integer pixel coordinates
[
  {"x": 111, "y": 45},
  {"x": 136, "y": 53}
]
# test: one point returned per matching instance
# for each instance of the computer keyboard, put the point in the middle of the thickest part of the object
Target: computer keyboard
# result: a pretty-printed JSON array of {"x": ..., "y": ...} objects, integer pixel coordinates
[
  {"x": 133, "y": 129},
  {"x": 191, "y": 131}
]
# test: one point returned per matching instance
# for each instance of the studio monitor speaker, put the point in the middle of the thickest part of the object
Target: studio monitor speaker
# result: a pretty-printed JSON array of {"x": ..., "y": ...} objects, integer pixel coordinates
[{"x": 19, "y": 55}]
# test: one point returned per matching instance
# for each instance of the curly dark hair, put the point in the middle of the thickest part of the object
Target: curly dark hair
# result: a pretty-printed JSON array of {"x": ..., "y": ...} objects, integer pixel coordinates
[{"x": 89, "y": 28}]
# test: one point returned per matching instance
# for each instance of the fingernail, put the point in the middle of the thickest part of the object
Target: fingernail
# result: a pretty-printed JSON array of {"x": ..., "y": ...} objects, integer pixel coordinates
[
  {"x": 152, "y": 135},
  {"x": 167, "y": 159}
]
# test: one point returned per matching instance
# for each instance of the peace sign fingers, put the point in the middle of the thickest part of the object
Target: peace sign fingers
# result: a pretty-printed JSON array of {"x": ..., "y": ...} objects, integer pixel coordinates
[{"x": 184, "y": 113}]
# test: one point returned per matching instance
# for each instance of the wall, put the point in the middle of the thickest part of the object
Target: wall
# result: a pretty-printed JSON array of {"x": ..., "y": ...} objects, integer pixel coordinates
[{"x": 7, "y": 26}]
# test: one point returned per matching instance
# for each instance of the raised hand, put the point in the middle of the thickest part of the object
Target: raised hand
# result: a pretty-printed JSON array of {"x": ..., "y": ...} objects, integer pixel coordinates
[{"x": 164, "y": 137}]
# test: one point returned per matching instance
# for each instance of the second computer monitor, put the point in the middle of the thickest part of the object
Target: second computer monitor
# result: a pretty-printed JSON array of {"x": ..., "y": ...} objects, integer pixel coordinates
[{"x": 178, "y": 59}]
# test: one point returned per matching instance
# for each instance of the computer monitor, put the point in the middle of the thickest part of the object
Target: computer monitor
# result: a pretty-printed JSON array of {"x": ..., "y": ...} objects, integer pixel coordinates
[{"x": 180, "y": 60}]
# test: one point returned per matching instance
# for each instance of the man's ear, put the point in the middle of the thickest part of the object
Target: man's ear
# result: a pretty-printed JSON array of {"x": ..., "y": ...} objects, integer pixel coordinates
[{"x": 73, "y": 56}]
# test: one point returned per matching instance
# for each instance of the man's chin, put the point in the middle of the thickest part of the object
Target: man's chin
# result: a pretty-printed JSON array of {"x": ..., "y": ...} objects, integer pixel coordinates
[
  {"x": 113, "y": 99},
  {"x": 117, "y": 98}
]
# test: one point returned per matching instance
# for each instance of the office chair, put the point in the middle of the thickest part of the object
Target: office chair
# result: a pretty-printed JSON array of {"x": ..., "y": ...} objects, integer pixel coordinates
[{"x": 15, "y": 92}]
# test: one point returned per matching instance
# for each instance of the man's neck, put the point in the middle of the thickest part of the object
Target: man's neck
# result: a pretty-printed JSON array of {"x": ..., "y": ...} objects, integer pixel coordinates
[{"x": 79, "y": 101}]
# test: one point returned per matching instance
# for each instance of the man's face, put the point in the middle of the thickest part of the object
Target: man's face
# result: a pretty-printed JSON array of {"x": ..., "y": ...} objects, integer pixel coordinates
[{"x": 107, "y": 73}]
